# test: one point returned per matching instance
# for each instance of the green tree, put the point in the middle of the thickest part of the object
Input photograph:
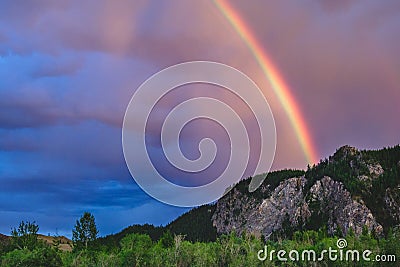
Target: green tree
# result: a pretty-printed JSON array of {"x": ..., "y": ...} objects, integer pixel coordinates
[
  {"x": 44, "y": 256},
  {"x": 167, "y": 240},
  {"x": 85, "y": 231},
  {"x": 135, "y": 249},
  {"x": 25, "y": 236}
]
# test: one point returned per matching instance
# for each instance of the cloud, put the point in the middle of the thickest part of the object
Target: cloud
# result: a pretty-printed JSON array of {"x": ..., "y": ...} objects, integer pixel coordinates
[{"x": 52, "y": 67}]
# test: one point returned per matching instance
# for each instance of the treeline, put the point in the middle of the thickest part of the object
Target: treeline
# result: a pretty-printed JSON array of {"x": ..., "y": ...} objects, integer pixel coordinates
[
  {"x": 136, "y": 249},
  {"x": 347, "y": 167},
  {"x": 195, "y": 225},
  {"x": 272, "y": 180}
]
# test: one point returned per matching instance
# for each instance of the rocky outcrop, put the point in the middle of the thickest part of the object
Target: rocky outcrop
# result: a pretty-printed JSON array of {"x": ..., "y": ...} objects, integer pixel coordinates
[
  {"x": 283, "y": 204},
  {"x": 343, "y": 212},
  {"x": 392, "y": 203},
  {"x": 233, "y": 212},
  {"x": 288, "y": 201},
  {"x": 346, "y": 152},
  {"x": 321, "y": 199},
  {"x": 375, "y": 171}
]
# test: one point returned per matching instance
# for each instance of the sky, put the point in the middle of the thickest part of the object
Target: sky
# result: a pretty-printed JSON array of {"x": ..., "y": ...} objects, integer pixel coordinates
[{"x": 68, "y": 70}]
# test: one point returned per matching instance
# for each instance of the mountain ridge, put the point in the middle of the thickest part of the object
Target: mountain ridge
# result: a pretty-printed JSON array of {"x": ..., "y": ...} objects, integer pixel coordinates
[{"x": 352, "y": 189}]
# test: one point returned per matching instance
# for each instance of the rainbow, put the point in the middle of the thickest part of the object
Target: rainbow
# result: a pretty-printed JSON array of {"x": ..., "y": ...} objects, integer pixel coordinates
[{"x": 279, "y": 86}]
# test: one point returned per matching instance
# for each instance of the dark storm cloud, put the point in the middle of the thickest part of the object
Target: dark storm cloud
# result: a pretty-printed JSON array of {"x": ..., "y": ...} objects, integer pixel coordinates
[
  {"x": 88, "y": 192},
  {"x": 34, "y": 94},
  {"x": 121, "y": 28}
]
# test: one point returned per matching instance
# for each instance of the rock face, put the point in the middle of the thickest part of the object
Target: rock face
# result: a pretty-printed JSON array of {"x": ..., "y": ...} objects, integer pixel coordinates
[
  {"x": 392, "y": 203},
  {"x": 283, "y": 204},
  {"x": 259, "y": 217},
  {"x": 233, "y": 213},
  {"x": 351, "y": 190},
  {"x": 343, "y": 212},
  {"x": 375, "y": 171},
  {"x": 289, "y": 202}
]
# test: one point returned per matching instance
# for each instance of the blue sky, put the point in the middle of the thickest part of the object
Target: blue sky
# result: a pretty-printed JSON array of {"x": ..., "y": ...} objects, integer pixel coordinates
[{"x": 69, "y": 69}]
